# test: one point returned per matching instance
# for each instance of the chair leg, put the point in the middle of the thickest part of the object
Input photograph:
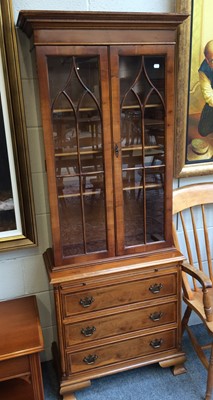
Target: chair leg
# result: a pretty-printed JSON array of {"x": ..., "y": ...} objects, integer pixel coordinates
[
  {"x": 210, "y": 377},
  {"x": 186, "y": 318},
  {"x": 198, "y": 348}
]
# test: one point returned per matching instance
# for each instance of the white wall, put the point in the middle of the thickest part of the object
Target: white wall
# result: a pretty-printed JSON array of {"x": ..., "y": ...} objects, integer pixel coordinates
[
  {"x": 23, "y": 272},
  {"x": 95, "y": 5}
]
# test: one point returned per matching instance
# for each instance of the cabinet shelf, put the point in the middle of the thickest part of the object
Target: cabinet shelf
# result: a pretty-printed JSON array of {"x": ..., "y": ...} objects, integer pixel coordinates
[
  {"x": 149, "y": 151},
  {"x": 86, "y": 109},
  {"x": 75, "y": 153},
  {"x": 70, "y": 110},
  {"x": 137, "y": 107},
  {"x": 147, "y": 186},
  {"x": 91, "y": 193}
]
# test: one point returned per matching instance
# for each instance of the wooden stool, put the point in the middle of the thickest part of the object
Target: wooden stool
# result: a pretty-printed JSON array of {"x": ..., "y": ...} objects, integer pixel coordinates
[{"x": 20, "y": 343}]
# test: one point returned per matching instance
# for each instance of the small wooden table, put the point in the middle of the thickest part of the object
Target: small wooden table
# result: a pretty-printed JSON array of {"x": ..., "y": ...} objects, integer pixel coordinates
[{"x": 21, "y": 341}]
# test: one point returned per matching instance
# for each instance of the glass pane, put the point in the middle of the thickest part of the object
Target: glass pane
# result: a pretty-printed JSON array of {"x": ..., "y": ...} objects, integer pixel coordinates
[
  {"x": 133, "y": 217},
  {"x": 78, "y": 142},
  {"x": 155, "y": 214},
  {"x": 95, "y": 223},
  {"x": 70, "y": 209},
  {"x": 142, "y": 94},
  {"x": 70, "y": 216}
]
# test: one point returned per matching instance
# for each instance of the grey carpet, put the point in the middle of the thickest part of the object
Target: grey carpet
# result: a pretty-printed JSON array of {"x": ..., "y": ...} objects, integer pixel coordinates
[{"x": 145, "y": 383}]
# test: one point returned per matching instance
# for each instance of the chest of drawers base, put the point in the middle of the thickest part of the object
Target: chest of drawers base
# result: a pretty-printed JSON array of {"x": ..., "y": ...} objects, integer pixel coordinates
[{"x": 111, "y": 322}]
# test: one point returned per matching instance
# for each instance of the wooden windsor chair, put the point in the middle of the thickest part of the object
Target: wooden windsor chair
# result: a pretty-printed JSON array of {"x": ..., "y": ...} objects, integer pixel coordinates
[{"x": 193, "y": 235}]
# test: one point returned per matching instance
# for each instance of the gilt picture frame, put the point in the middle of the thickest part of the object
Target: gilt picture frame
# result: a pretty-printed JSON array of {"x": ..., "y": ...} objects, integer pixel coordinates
[
  {"x": 193, "y": 154},
  {"x": 17, "y": 214}
]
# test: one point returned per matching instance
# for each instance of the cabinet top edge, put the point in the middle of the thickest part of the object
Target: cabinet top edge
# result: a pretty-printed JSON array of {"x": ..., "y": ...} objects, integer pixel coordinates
[
  {"x": 106, "y": 268},
  {"x": 30, "y": 20}
]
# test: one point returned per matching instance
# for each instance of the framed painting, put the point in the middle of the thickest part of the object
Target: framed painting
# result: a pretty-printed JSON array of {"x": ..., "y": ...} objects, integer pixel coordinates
[
  {"x": 17, "y": 217},
  {"x": 194, "y": 134}
]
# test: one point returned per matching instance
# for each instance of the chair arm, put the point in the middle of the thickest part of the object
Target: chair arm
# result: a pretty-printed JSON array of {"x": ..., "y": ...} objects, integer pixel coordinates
[
  {"x": 197, "y": 274},
  {"x": 206, "y": 284}
]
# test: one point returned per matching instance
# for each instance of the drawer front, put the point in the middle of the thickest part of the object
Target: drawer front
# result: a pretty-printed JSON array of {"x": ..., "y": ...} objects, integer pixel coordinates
[
  {"x": 116, "y": 295},
  {"x": 14, "y": 367},
  {"x": 122, "y": 351},
  {"x": 120, "y": 323}
]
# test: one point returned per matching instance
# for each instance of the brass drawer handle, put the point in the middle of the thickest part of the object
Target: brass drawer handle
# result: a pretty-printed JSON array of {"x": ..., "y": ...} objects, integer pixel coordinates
[
  {"x": 156, "y": 288},
  {"x": 86, "y": 302},
  {"x": 156, "y": 316},
  {"x": 88, "y": 331},
  {"x": 156, "y": 344},
  {"x": 90, "y": 359}
]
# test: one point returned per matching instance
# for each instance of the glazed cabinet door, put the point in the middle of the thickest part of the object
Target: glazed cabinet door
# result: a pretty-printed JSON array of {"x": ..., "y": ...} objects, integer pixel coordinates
[
  {"x": 108, "y": 123},
  {"x": 74, "y": 87},
  {"x": 143, "y": 100}
]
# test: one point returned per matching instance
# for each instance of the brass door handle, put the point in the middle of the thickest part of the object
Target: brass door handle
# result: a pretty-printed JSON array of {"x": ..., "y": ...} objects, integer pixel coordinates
[{"x": 116, "y": 149}]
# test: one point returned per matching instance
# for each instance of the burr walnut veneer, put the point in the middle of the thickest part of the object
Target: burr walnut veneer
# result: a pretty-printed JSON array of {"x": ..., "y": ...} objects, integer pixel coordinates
[{"x": 107, "y": 100}]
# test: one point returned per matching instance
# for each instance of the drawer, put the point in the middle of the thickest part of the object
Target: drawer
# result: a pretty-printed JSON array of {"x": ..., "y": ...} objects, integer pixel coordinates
[
  {"x": 122, "y": 351},
  {"x": 14, "y": 367},
  {"x": 119, "y": 323},
  {"x": 119, "y": 294}
]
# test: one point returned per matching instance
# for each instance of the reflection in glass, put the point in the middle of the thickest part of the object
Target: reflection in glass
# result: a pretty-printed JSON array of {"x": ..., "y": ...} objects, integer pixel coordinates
[
  {"x": 10, "y": 220},
  {"x": 77, "y": 135},
  {"x": 142, "y": 93},
  {"x": 7, "y": 212}
]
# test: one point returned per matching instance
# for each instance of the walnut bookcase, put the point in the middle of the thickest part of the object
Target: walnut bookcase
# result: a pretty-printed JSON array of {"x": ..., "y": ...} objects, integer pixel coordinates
[{"x": 107, "y": 100}]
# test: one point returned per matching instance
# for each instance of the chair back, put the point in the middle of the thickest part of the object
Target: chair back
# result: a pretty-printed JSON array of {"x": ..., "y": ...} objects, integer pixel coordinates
[{"x": 193, "y": 230}]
